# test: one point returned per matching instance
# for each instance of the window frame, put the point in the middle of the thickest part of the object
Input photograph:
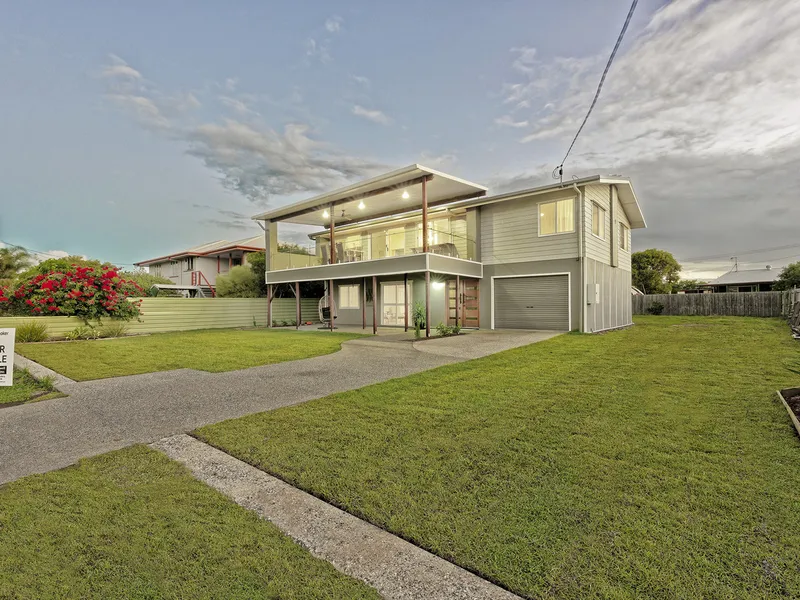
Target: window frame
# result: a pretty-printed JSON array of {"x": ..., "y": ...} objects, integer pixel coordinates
[
  {"x": 344, "y": 306},
  {"x": 623, "y": 237},
  {"x": 539, "y": 217},
  {"x": 189, "y": 263},
  {"x": 602, "y": 214}
]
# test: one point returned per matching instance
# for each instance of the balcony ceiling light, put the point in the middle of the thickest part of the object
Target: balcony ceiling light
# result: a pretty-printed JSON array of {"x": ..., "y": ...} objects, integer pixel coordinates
[
  {"x": 405, "y": 195},
  {"x": 361, "y": 205}
]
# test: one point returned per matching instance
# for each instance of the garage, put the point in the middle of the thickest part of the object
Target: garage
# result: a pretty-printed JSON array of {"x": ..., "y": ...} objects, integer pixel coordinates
[{"x": 531, "y": 302}]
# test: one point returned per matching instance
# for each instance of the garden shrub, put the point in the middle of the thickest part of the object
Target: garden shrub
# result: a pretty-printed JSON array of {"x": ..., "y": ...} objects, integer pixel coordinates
[
  {"x": 88, "y": 293},
  {"x": 83, "y": 332},
  {"x": 418, "y": 318},
  {"x": 447, "y": 330},
  {"x": 114, "y": 329},
  {"x": 240, "y": 282},
  {"x": 32, "y": 331},
  {"x": 656, "y": 308}
]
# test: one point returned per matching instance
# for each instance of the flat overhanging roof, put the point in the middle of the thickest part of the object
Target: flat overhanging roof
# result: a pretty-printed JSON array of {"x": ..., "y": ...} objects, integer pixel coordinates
[{"x": 380, "y": 196}]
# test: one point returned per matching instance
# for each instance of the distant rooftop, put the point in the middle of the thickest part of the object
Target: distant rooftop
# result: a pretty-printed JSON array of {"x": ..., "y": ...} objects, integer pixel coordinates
[
  {"x": 254, "y": 243},
  {"x": 767, "y": 275}
]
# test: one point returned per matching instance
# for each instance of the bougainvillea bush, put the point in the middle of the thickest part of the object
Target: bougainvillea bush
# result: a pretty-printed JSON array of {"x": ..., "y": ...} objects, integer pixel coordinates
[{"x": 89, "y": 293}]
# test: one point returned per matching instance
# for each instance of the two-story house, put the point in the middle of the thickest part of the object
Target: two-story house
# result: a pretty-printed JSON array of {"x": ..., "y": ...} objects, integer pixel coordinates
[
  {"x": 194, "y": 270},
  {"x": 556, "y": 257}
]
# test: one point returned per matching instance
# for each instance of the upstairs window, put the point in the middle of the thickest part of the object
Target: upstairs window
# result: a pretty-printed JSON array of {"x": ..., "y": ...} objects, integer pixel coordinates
[
  {"x": 598, "y": 220},
  {"x": 557, "y": 217},
  {"x": 190, "y": 263},
  {"x": 623, "y": 236}
]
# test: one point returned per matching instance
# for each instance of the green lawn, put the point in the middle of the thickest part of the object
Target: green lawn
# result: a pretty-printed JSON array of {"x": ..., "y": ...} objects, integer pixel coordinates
[
  {"x": 653, "y": 462},
  {"x": 133, "y": 524},
  {"x": 25, "y": 388},
  {"x": 212, "y": 350}
]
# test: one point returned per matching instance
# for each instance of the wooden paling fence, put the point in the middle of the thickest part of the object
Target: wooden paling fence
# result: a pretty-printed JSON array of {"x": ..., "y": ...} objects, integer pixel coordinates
[
  {"x": 733, "y": 304},
  {"x": 177, "y": 314}
]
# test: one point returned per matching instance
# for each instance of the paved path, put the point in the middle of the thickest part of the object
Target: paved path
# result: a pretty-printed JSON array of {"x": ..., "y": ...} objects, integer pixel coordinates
[
  {"x": 108, "y": 414},
  {"x": 397, "y": 569}
]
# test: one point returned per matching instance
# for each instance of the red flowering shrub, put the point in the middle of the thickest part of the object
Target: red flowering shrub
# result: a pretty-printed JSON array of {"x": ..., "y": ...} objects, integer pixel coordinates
[{"x": 88, "y": 293}]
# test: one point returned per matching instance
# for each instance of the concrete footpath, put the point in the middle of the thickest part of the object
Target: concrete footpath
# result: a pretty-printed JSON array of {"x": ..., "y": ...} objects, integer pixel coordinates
[
  {"x": 396, "y": 568},
  {"x": 108, "y": 414}
]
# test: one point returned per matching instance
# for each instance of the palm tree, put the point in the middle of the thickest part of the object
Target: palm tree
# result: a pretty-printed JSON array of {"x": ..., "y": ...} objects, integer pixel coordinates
[{"x": 13, "y": 259}]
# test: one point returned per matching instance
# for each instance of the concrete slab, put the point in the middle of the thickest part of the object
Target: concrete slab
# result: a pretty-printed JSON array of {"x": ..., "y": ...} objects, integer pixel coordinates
[
  {"x": 396, "y": 568},
  {"x": 480, "y": 343}
]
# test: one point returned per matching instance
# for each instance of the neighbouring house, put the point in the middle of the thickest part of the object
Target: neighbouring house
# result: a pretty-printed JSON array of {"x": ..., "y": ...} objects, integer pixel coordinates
[
  {"x": 746, "y": 280},
  {"x": 194, "y": 271},
  {"x": 556, "y": 257}
]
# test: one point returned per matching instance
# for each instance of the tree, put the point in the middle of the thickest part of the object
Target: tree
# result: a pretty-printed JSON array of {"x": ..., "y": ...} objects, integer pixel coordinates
[
  {"x": 60, "y": 265},
  {"x": 13, "y": 259},
  {"x": 240, "y": 282},
  {"x": 687, "y": 284},
  {"x": 655, "y": 271},
  {"x": 789, "y": 277}
]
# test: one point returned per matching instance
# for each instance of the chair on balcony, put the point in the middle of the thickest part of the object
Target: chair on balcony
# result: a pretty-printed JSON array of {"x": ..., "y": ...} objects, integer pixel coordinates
[{"x": 325, "y": 257}]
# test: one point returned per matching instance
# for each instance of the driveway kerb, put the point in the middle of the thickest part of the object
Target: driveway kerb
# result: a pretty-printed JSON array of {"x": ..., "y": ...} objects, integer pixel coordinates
[
  {"x": 40, "y": 371},
  {"x": 396, "y": 568}
]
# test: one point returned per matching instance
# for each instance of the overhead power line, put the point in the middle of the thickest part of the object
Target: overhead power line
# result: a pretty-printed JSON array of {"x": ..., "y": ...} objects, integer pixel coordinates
[
  {"x": 741, "y": 253},
  {"x": 558, "y": 172}
]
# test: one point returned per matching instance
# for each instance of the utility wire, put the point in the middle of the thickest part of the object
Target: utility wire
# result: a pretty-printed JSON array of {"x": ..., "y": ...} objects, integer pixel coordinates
[
  {"x": 741, "y": 253},
  {"x": 558, "y": 172}
]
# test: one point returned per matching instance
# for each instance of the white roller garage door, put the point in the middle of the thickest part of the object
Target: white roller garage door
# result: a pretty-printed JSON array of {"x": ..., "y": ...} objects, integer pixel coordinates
[{"x": 531, "y": 302}]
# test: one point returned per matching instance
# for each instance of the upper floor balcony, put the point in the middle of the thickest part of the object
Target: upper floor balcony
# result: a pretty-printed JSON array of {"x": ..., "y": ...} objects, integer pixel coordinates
[{"x": 399, "y": 222}]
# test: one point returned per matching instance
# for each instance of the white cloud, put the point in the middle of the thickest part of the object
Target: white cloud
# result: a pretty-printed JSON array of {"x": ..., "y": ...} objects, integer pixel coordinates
[
  {"x": 376, "y": 116},
  {"x": 334, "y": 24},
  {"x": 442, "y": 162},
  {"x": 318, "y": 50},
  {"x": 508, "y": 121},
  {"x": 237, "y": 105},
  {"x": 143, "y": 108},
  {"x": 707, "y": 78},
  {"x": 360, "y": 79},
  {"x": 231, "y": 83},
  {"x": 260, "y": 162},
  {"x": 121, "y": 71}
]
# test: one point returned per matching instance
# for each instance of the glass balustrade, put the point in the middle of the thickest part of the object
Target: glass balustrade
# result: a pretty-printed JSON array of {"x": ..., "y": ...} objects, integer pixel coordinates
[{"x": 373, "y": 245}]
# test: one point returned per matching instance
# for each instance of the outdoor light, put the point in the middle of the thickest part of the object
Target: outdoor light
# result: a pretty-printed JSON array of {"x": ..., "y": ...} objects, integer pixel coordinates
[
  {"x": 437, "y": 285},
  {"x": 405, "y": 195},
  {"x": 361, "y": 205},
  {"x": 325, "y": 214}
]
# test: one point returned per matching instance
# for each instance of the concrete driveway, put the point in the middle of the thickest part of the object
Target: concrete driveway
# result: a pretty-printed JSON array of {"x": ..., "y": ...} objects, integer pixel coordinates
[{"x": 108, "y": 414}]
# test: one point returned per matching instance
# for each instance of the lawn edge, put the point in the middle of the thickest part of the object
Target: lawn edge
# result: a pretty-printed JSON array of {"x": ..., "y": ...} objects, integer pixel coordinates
[{"x": 331, "y": 502}]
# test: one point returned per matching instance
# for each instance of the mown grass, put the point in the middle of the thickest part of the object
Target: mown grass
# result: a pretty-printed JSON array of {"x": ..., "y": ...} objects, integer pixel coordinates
[
  {"x": 25, "y": 388},
  {"x": 212, "y": 350},
  {"x": 133, "y": 524},
  {"x": 654, "y": 462}
]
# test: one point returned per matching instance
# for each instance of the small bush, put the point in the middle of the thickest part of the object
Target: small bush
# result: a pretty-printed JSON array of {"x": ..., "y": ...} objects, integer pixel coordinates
[
  {"x": 113, "y": 330},
  {"x": 83, "y": 332},
  {"x": 32, "y": 331},
  {"x": 418, "y": 318},
  {"x": 656, "y": 308},
  {"x": 447, "y": 330}
]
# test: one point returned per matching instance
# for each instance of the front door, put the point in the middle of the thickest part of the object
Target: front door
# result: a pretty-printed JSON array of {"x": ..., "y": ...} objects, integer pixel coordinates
[{"x": 468, "y": 304}]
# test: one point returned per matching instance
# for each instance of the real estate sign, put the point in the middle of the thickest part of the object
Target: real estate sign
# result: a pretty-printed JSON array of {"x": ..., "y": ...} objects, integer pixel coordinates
[{"x": 7, "y": 356}]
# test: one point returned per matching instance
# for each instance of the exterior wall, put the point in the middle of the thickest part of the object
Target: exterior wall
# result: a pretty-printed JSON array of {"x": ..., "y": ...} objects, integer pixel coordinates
[
  {"x": 509, "y": 232},
  {"x": 615, "y": 306},
  {"x": 596, "y": 248},
  {"x": 417, "y": 285},
  {"x": 538, "y": 267},
  {"x": 620, "y": 217}
]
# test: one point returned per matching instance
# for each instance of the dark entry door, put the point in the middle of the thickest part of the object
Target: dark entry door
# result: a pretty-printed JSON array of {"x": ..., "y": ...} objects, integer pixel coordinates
[{"x": 468, "y": 304}]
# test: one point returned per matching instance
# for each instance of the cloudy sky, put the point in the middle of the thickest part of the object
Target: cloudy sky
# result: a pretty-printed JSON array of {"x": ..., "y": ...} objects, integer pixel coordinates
[{"x": 133, "y": 129}]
